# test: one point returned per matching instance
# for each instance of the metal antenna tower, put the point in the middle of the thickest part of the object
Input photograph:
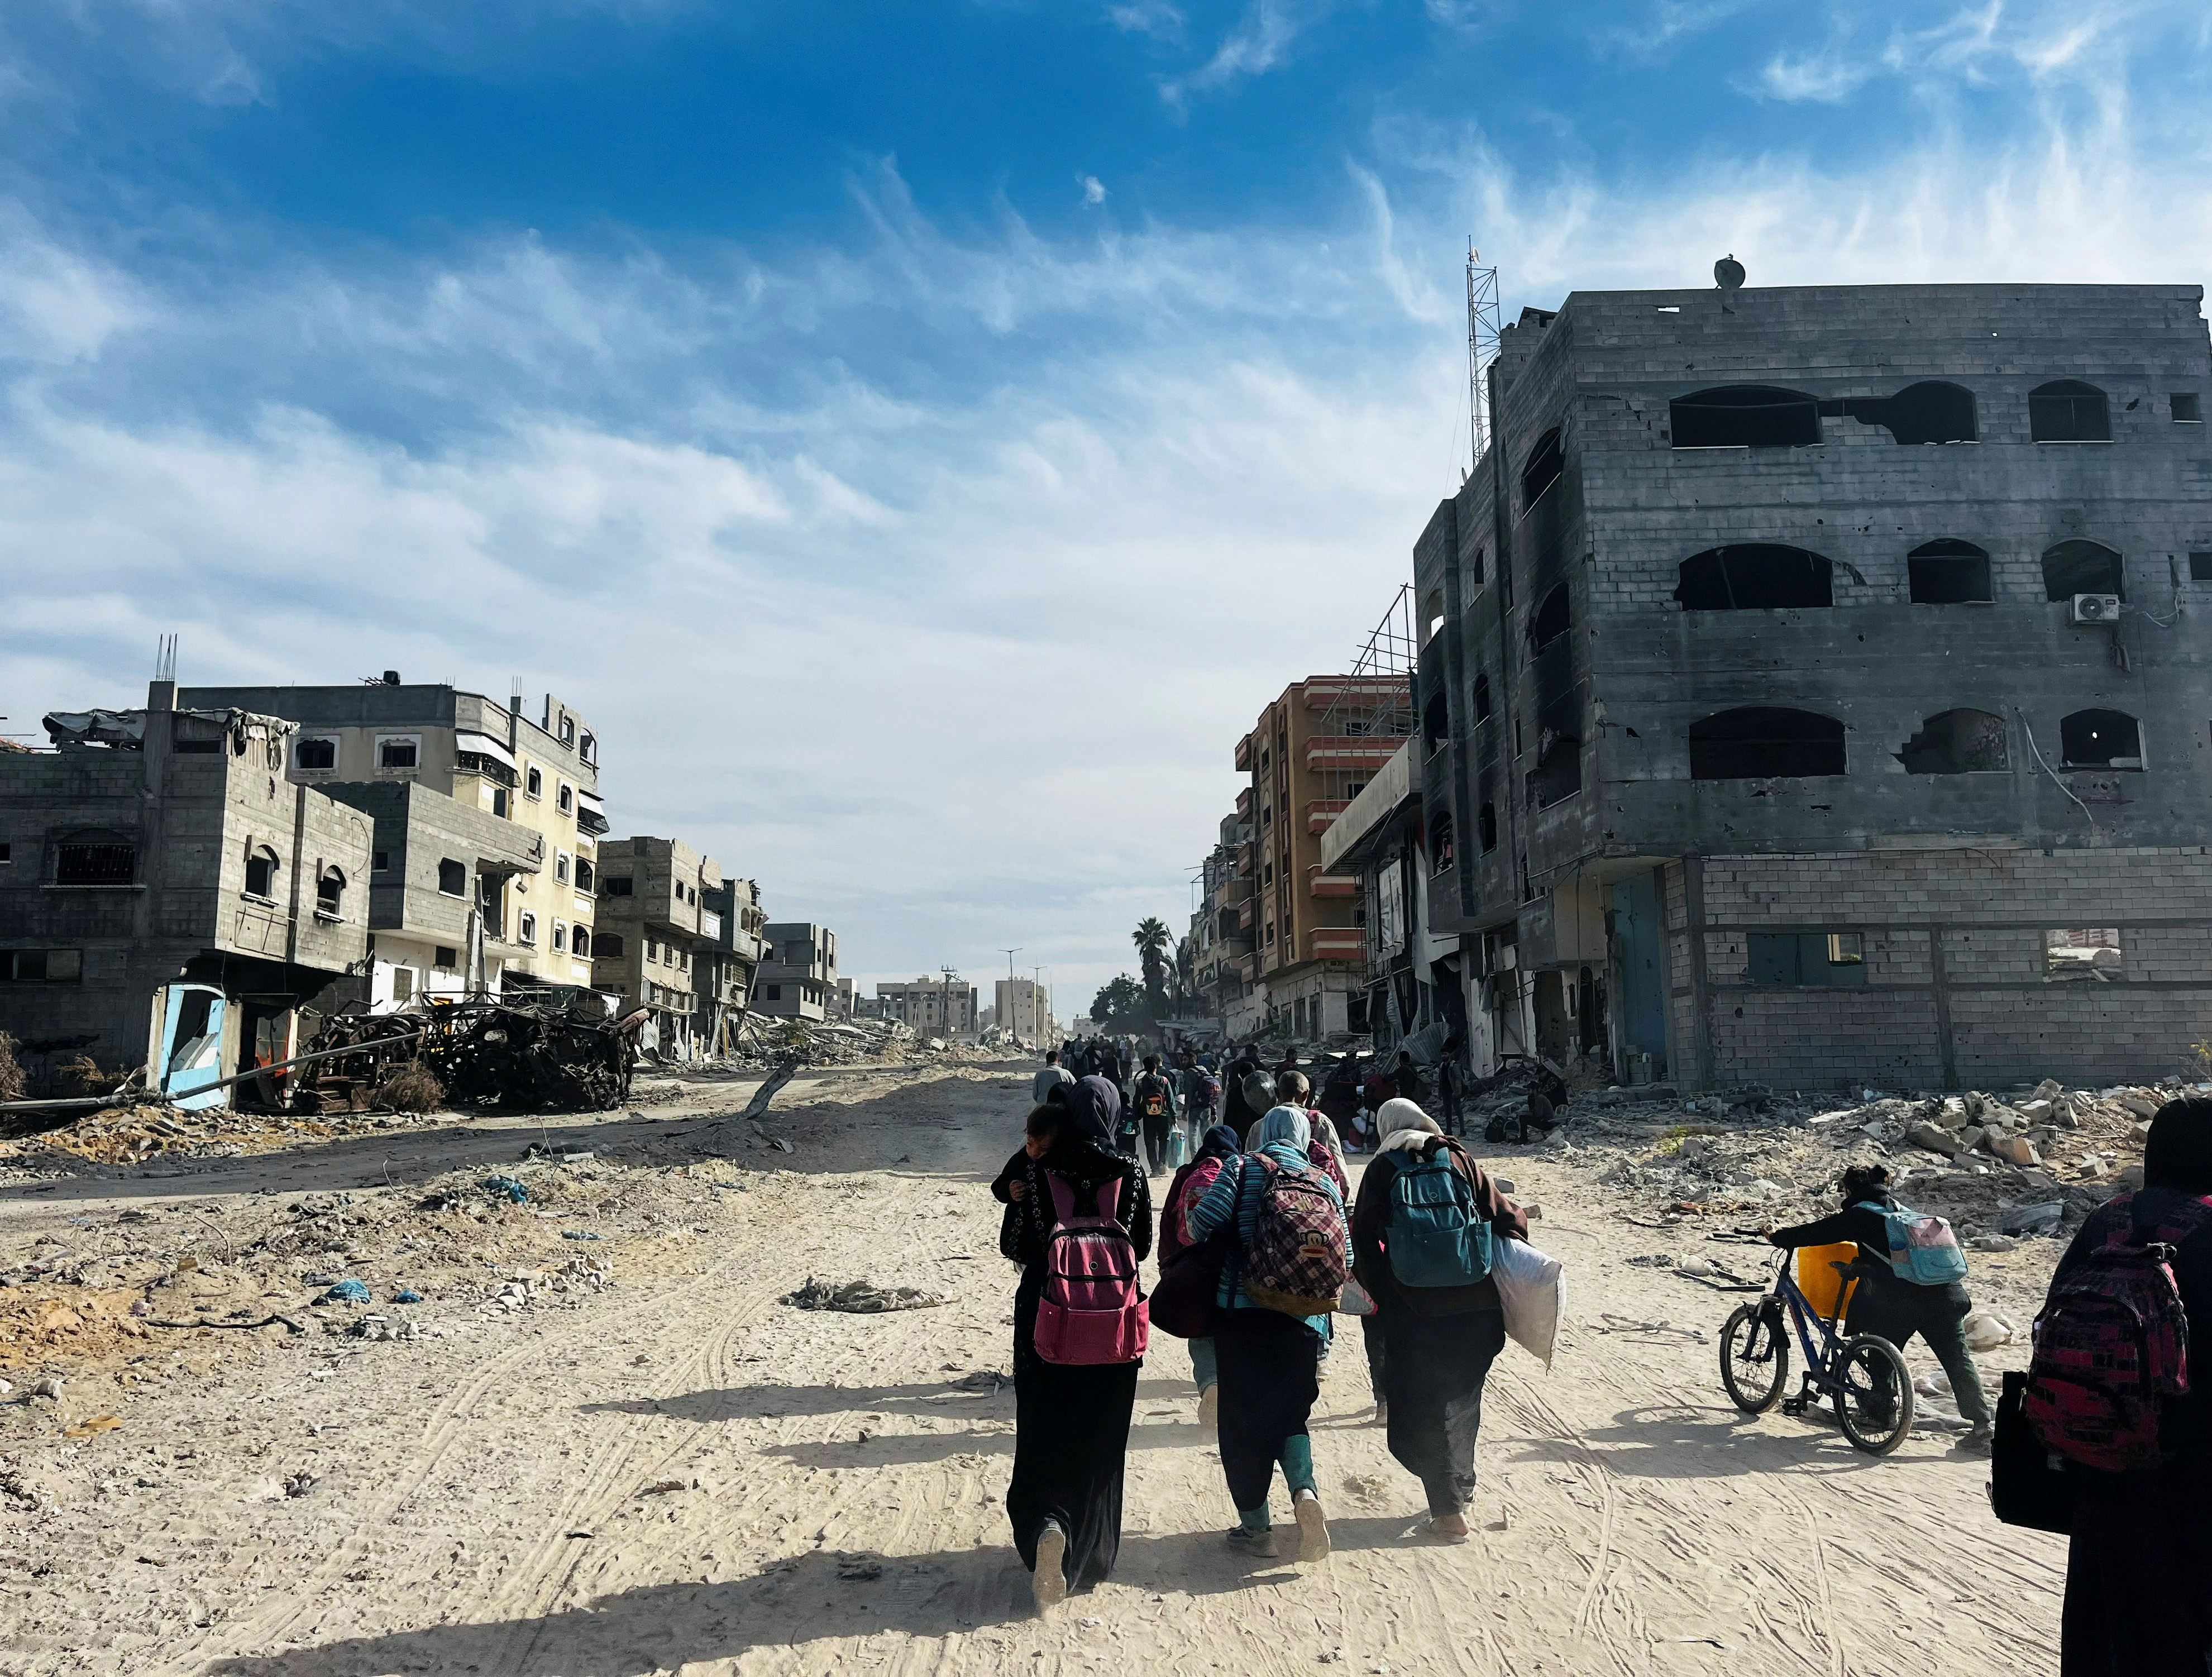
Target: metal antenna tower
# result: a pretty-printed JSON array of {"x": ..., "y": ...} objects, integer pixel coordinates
[
  {"x": 165, "y": 659},
  {"x": 1482, "y": 330},
  {"x": 1376, "y": 701}
]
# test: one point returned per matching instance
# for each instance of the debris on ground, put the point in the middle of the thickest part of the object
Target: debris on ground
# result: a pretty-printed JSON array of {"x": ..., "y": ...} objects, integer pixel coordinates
[{"x": 860, "y": 1297}]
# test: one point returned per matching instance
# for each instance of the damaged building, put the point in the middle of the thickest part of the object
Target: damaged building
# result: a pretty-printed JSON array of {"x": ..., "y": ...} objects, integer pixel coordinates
[
  {"x": 657, "y": 927},
  {"x": 1809, "y": 691},
  {"x": 169, "y": 899}
]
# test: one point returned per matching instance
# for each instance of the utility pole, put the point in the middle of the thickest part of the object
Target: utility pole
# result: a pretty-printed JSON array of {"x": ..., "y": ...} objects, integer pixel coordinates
[
  {"x": 1036, "y": 986},
  {"x": 948, "y": 1002},
  {"x": 1011, "y": 981}
]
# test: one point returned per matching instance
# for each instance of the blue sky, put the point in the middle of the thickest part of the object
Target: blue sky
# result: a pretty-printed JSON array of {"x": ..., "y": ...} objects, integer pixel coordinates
[{"x": 920, "y": 436}]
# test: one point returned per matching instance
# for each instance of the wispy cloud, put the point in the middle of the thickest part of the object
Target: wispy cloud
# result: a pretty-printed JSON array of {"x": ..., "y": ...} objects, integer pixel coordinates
[
  {"x": 1260, "y": 41},
  {"x": 1670, "y": 21},
  {"x": 1156, "y": 18},
  {"x": 1094, "y": 190}
]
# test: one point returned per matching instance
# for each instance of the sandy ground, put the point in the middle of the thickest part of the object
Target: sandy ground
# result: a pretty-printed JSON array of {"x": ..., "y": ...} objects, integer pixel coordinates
[{"x": 680, "y": 1474}]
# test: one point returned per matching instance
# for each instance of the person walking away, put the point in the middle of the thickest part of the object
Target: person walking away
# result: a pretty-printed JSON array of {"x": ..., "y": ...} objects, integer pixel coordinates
[
  {"x": 1236, "y": 1112},
  {"x": 1201, "y": 1096},
  {"x": 1324, "y": 1149},
  {"x": 1891, "y": 1304},
  {"x": 1422, "y": 1233},
  {"x": 1406, "y": 1076},
  {"x": 1215, "y": 1149},
  {"x": 1052, "y": 1074},
  {"x": 1071, "y": 1420},
  {"x": 1340, "y": 1096},
  {"x": 2141, "y": 1547},
  {"x": 1379, "y": 1090},
  {"x": 1292, "y": 1248},
  {"x": 1156, "y": 1110}
]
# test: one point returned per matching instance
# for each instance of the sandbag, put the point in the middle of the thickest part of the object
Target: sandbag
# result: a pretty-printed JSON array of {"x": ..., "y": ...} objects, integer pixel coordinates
[{"x": 1533, "y": 1289}]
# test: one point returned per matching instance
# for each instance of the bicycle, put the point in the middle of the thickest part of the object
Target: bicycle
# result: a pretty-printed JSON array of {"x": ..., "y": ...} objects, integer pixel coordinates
[{"x": 1863, "y": 1376}]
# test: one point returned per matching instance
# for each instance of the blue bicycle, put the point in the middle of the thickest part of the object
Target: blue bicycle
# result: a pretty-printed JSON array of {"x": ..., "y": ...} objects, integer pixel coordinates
[{"x": 1861, "y": 1375}]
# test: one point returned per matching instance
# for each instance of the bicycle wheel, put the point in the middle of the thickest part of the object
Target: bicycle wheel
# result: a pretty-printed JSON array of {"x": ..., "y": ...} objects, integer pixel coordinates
[
  {"x": 1873, "y": 1394},
  {"x": 1754, "y": 1358}
]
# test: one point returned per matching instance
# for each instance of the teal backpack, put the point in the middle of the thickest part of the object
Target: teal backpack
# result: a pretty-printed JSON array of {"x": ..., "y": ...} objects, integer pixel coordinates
[
  {"x": 1437, "y": 1238},
  {"x": 1922, "y": 1249}
]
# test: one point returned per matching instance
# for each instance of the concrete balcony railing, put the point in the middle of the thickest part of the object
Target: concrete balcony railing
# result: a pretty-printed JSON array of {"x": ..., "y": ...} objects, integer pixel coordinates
[
  {"x": 1330, "y": 885},
  {"x": 1244, "y": 804},
  {"x": 1349, "y": 752},
  {"x": 1323, "y": 812},
  {"x": 1336, "y": 942}
]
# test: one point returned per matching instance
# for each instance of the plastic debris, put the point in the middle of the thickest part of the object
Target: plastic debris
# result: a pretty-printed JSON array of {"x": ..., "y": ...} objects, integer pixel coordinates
[
  {"x": 581, "y": 1234},
  {"x": 348, "y": 1291},
  {"x": 860, "y": 1297},
  {"x": 406, "y": 1295},
  {"x": 507, "y": 1185}
]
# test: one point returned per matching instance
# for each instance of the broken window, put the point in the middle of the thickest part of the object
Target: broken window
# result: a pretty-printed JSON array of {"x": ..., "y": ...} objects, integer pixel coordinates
[
  {"x": 1551, "y": 618},
  {"x": 583, "y": 873},
  {"x": 261, "y": 873},
  {"x": 1559, "y": 772},
  {"x": 95, "y": 860},
  {"x": 526, "y": 929},
  {"x": 1828, "y": 958},
  {"x": 453, "y": 877},
  {"x": 1928, "y": 412},
  {"x": 533, "y": 783},
  {"x": 1486, "y": 827},
  {"x": 1755, "y": 576},
  {"x": 330, "y": 893},
  {"x": 588, "y": 748},
  {"x": 316, "y": 754},
  {"x": 1948, "y": 572},
  {"x": 1545, "y": 463},
  {"x": 42, "y": 966},
  {"x": 567, "y": 730},
  {"x": 1441, "y": 854},
  {"x": 1744, "y": 417},
  {"x": 2067, "y": 411},
  {"x": 2081, "y": 568},
  {"x": 2101, "y": 739},
  {"x": 1957, "y": 742},
  {"x": 1436, "y": 726},
  {"x": 615, "y": 884},
  {"x": 1482, "y": 695},
  {"x": 608, "y": 945},
  {"x": 1474, "y": 569},
  {"x": 397, "y": 752},
  {"x": 1760, "y": 741},
  {"x": 2082, "y": 952},
  {"x": 579, "y": 940}
]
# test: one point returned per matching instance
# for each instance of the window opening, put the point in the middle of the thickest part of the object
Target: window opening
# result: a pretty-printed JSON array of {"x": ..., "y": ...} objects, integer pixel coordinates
[
  {"x": 1558, "y": 774},
  {"x": 499, "y": 802},
  {"x": 1928, "y": 412},
  {"x": 608, "y": 945},
  {"x": 1441, "y": 852},
  {"x": 1546, "y": 464},
  {"x": 615, "y": 884},
  {"x": 1823, "y": 958},
  {"x": 567, "y": 800},
  {"x": 94, "y": 862},
  {"x": 567, "y": 731},
  {"x": 2184, "y": 404},
  {"x": 1552, "y": 619},
  {"x": 1474, "y": 577},
  {"x": 1957, "y": 742},
  {"x": 1487, "y": 828},
  {"x": 1744, "y": 417},
  {"x": 526, "y": 926},
  {"x": 317, "y": 754},
  {"x": 453, "y": 877},
  {"x": 1755, "y": 576},
  {"x": 330, "y": 893},
  {"x": 1759, "y": 742},
  {"x": 1436, "y": 725},
  {"x": 2066, "y": 411},
  {"x": 560, "y": 867},
  {"x": 261, "y": 874},
  {"x": 2092, "y": 952},
  {"x": 1482, "y": 692},
  {"x": 2101, "y": 739},
  {"x": 561, "y": 936},
  {"x": 379, "y": 861},
  {"x": 533, "y": 783},
  {"x": 2083, "y": 567},
  {"x": 1948, "y": 572},
  {"x": 2200, "y": 568},
  {"x": 395, "y": 754},
  {"x": 583, "y": 873}
]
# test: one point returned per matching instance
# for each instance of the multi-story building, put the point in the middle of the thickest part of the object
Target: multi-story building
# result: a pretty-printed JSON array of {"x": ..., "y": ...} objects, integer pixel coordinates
[
  {"x": 940, "y": 1007},
  {"x": 543, "y": 775},
  {"x": 722, "y": 972},
  {"x": 798, "y": 972},
  {"x": 167, "y": 900},
  {"x": 1808, "y": 685},
  {"x": 1378, "y": 840},
  {"x": 438, "y": 871},
  {"x": 654, "y": 926},
  {"x": 1307, "y": 943},
  {"x": 1023, "y": 1009},
  {"x": 1223, "y": 968}
]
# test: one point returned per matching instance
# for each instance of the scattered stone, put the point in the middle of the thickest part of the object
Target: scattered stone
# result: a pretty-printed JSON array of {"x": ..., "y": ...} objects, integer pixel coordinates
[
  {"x": 1993, "y": 1243},
  {"x": 2032, "y": 1219},
  {"x": 1934, "y": 1140},
  {"x": 1986, "y": 1333}
]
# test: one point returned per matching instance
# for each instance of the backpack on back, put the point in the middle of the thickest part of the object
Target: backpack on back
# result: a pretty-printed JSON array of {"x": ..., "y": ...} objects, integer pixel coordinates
[
  {"x": 2111, "y": 1348},
  {"x": 1091, "y": 1311},
  {"x": 1922, "y": 1249},
  {"x": 1153, "y": 1097},
  {"x": 1436, "y": 1238},
  {"x": 1296, "y": 1261}
]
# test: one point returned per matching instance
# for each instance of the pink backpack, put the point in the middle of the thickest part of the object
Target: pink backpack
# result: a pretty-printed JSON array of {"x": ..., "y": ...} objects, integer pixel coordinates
[
  {"x": 2111, "y": 1348},
  {"x": 1091, "y": 1311}
]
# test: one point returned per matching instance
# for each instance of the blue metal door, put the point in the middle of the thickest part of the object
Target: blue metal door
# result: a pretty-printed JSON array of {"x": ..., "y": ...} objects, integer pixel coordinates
[{"x": 191, "y": 1045}]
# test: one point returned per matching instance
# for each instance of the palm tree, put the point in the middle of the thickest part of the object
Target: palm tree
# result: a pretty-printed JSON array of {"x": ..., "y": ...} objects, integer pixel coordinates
[{"x": 1153, "y": 941}]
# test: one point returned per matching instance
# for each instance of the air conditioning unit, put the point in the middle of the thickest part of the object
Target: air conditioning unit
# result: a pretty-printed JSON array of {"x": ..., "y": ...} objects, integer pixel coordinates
[{"x": 2096, "y": 608}]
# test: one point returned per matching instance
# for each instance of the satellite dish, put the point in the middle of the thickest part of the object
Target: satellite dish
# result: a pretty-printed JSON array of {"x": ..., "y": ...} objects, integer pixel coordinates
[{"x": 1727, "y": 273}]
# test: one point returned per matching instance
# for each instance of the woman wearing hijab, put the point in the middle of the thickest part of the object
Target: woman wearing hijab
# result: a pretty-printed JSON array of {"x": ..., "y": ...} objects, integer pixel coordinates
[
  {"x": 1324, "y": 1148},
  {"x": 1269, "y": 1362},
  {"x": 2141, "y": 1547},
  {"x": 1437, "y": 1343},
  {"x": 1070, "y": 1422},
  {"x": 1215, "y": 1148}
]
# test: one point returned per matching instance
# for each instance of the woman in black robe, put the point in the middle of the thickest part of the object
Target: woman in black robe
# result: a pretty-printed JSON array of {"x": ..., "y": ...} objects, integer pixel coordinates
[{"x": 1071, "y": 1423}]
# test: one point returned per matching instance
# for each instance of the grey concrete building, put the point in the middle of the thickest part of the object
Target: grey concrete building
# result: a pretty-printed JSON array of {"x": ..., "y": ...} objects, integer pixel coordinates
[
  {"x": 167, "y": 899},
  {"x": 938, "y": 1006},
  {"x": 542, "y": 774},
  {"x": 654, "y": 924},
  {"x": 1810, "y": 692},
  {"x": 723, "y": 971},
  {"x": 1378, "y": 840},
  {"x": 440, "y": 873},
  {"x": 798, "y": 977}
]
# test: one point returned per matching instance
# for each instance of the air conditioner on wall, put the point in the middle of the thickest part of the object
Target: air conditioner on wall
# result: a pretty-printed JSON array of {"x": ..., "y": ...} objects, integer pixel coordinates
[{"x": 2096, "y": 609}]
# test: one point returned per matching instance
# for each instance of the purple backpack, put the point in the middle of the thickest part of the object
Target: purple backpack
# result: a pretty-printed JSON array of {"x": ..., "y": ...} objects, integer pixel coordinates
[{"x": 1091, "y": 1311}]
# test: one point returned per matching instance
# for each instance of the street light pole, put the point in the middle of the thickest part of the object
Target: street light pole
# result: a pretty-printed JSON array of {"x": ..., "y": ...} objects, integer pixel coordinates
[{"x": 1010, "y": 986}]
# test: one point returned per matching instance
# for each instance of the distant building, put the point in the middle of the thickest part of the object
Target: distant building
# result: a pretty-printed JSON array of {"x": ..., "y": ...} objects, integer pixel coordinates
[
  {"x": 799, "y": 975},
  {"x": 1024, "y": 1009},
  {"x": 655, "y": 925},
  {"x": 934, "y": 1006},
  {"x": 725, "y": 961}
]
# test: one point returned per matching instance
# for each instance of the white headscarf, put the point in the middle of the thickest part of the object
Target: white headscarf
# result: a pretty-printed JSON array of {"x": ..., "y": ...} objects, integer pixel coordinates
[{"x": 1401, "y": 1123}]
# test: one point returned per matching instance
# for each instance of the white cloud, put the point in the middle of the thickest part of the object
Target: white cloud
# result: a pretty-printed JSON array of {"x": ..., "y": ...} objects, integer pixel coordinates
[
  {"x": 1258, "y": 44},
  {"x": 1156, "y": 18},
  {"x": 1827, "y": 77},
  {"x": 1094, "y": 190},
  {"x": 1670, "y": 21}
]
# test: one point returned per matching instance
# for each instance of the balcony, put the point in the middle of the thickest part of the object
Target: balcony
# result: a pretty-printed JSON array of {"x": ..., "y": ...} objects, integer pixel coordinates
[
  {"x": 1246, "y": 860},
  {"x": 1336, "y": 942},
  {"x": 1375, "y": 692},
  {"x": 1349, "y": 752},
  {"x": 1244, "y": 913},
  {"x": 1323, "y": 812},
  {"x": 710, "y": 925},
  {"x": 1244, "y": 755},
  {"x": 484, "y": 765},
  {"x": 589, "y": 820},
  {"x": 1330, "y": 885},
  {"x": 1244, "y": 804}
]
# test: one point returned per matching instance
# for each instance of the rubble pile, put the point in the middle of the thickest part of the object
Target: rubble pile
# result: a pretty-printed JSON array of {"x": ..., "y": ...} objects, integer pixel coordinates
[
  {"x": 767, "y": 1042},
  {"x": 512, "y": 1055},
  {"x": 123, "y": 1136}
]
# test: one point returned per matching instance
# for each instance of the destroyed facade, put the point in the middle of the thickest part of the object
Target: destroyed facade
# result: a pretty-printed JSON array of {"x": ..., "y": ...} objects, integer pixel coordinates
[
  {"x": 657, "y": 927},
  {"x": 1810, "y": 691},
  {"x": 798, "y": 973}
]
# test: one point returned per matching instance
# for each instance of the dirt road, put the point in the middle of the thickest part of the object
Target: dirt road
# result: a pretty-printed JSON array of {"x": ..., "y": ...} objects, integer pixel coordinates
[{"x": 681, "y": 1474}]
